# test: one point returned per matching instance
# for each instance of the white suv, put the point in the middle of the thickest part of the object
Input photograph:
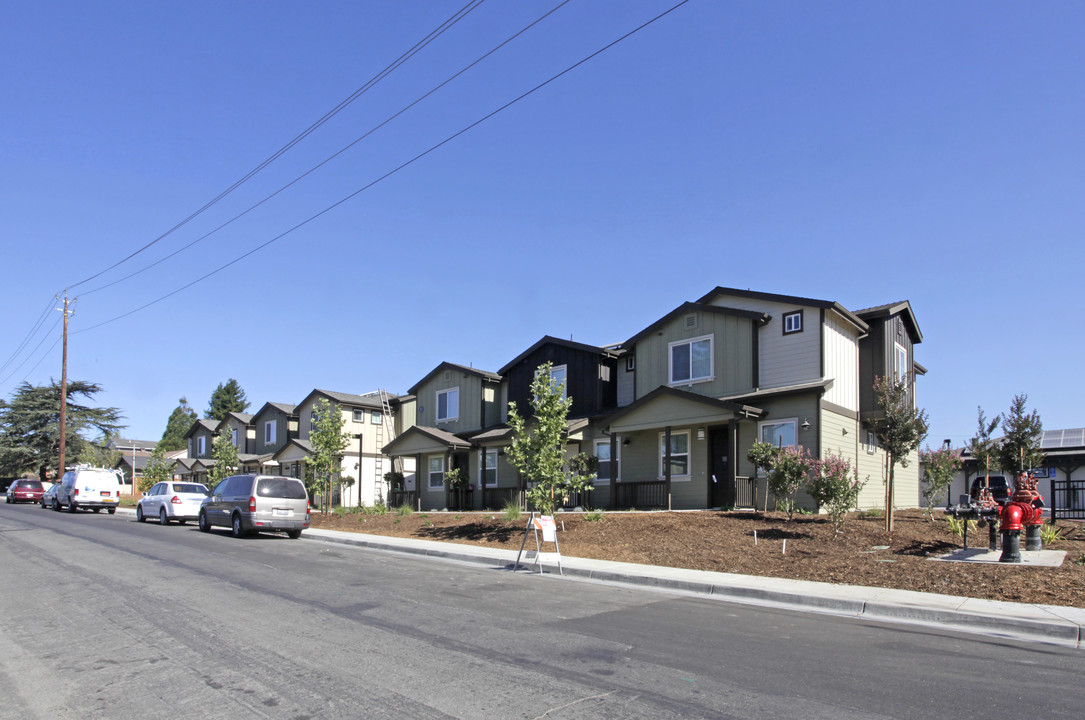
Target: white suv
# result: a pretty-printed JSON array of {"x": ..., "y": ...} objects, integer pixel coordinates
[{"x": 90, "y": 489}]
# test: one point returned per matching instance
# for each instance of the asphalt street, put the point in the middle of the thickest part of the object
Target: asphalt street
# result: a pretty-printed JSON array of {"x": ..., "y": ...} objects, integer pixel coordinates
[{"x": 104, "y": 617}]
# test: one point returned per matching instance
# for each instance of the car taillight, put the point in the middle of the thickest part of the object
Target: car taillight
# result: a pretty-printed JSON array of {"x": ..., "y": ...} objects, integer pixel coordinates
[
  {"x": 252, "y": 504},
  {"x": 175, "y": 500},
  {"x": 308, "y": 507},
  {"x": 77, "y": 491}
]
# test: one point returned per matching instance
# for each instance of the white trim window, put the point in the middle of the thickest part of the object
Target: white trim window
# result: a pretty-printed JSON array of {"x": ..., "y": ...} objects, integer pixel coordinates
[
  {"x": 270, "y": 428},
  {"x": 679, "y": 454},
  {"x": 900, "y": 363},
  {"x": 436, "y": 472},
  {"x": 559, "y": 375},
  {"x": 871, "y": 442},
  {"x": 448, "y": 405},
  {"x": 190, "y": 447},
  {"x": 233, "y": 436},
  {"x": 602, "y": 452},
  {"x": 359, "y": 415},
  {"x": 793, "y": 322},
  {"x": 690, "y": 360},
  {"x": 375, "y": 417},
  {"x": 489, "y": 467},
  {"x": 202, "y": 442},
  {"x": 779, "y": 433}
]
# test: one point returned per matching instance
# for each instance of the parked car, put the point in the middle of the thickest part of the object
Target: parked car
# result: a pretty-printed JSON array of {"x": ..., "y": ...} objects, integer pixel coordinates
[
  {"x": 178, "y": 501},
  {"x": 90, "y": 489},
  {"x": 1000, "y": 489},
  {"x": 24, "y": 491},
  {"x": 257, "y": 503},
  {"x": 48, "y": 495}
]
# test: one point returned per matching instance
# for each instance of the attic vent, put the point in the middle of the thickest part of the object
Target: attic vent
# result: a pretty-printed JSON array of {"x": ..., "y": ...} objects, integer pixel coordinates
[
  {"x": 691, "y": 320},
  {"x": 448, "y": 375}
]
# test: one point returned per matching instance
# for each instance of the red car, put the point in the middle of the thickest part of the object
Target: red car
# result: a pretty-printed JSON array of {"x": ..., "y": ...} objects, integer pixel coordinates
[{"x": 25, "y": 491}]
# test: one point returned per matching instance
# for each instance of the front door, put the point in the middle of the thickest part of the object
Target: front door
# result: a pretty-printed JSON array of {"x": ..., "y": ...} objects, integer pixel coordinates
[{"x": 721, "y": 482}]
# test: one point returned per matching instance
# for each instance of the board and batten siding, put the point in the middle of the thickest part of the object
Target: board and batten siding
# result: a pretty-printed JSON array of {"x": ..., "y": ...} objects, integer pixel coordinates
[
  {"x": 841, "y": 360},
  {"x": 470, "y": 401},
  {"x": 627, "y": 390},
  {"x": 784, "y": 359},
  {"x": 732, "y": 349}
]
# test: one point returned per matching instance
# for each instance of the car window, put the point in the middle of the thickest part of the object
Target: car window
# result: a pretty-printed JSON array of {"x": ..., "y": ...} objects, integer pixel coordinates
[
  {"x": 281, "y": 488},
  {"x": 224, "y": 487},
  {"x": 189, "y": 488}
]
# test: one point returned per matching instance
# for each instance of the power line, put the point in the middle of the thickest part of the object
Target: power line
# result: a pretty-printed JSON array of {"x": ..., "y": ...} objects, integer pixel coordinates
[
  {"x": 335, "y": 154},
  {"x": 433, "y": 35},
  {"x": 388, "y": 174},
  {"x": 44, "y": 337},
  {"x": 37, "y": 324}
]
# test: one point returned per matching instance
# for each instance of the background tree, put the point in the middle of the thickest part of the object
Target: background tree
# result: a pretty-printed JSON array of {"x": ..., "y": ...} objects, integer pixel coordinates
[
  {"x": 30, "y": 426},
  {"x": 982, "y": 447},
  {"x": 180, "y": 420},
  {"x": 939, "y": 467},
  {"x": 329, "y": 443},
  {"x": 224, "y": 452},
  {"x": 900, "y": 431},
  {"x": 97, "y": 453},
  {"x": 538, "y": 448},
  {"x": 227, "y": 398},
  {"x": 1021, "y": 435},
  {"x": 158, "y": 470}
]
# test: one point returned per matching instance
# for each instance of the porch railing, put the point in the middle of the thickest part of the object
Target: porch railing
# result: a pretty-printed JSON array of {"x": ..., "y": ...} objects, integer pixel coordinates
[
  {"x": 745, "y": 492},
  {"x": 397, "y": 498},
  {"x": 641, "y": 495},
  {"x": 496, "y": 498}
]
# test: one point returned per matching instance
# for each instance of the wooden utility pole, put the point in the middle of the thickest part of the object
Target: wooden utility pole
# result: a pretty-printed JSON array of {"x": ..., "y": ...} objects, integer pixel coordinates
[{"x": 63, "y": 392}]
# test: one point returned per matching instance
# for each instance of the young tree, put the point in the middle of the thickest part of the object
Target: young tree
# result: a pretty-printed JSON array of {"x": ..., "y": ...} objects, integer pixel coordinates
[
  {"x": 226, "y": 399},
  {"x": 329, "y": 442},
  {"x": 939, "y": 466},
  {"x": 538, "y": 448},
  {"x": 30, "y": 426},
  {"x": 180, "y": 420},
  {"x": 158, "y": 470},
  {"x": 900, "y": 431},
  {"x": 224, "y": 453},
  {"x": 1022, "y": 432},
  {"x": 790, "y": 470},
  {"x": 982, "y": 447}
]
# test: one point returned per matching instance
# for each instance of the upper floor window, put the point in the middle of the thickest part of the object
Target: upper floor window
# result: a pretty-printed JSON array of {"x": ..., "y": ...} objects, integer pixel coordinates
[
  {"x": 792, "y": 322},
  {"x": 630, "y": 363},
  {"x": 558, "y": 377},
  {"x": 448, "y": 404},
  {"x": 375, "y": 418},
  {"x": 269, "y": 432},
  {"x": 691, "y": 360},
  {"x": 233, "y": 436},
  {"x": 359, "y": 415},
  {"x": 900, "y": 364},
  {"x": 780, "y": 433},
  {"x": 202, "y": 444}
]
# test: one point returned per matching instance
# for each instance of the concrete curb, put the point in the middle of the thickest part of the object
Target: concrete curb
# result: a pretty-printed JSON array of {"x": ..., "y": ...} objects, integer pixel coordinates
[{"x": 1031, "y": 623}]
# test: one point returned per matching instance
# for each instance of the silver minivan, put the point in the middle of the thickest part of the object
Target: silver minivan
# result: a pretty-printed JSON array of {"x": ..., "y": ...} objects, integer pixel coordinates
[{"x": 257, "y": 503}]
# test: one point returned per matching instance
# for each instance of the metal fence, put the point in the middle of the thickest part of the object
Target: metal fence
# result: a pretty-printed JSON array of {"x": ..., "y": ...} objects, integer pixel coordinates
[
  {"x": 641, "y": 495},
  {"x": 1069, "y": 500}
]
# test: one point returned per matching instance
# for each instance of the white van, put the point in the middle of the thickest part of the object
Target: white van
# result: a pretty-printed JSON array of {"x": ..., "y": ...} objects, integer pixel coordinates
[{"x": 90, "y": 489}]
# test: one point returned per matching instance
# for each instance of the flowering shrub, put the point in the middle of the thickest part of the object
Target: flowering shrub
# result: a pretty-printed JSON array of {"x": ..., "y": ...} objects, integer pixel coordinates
[
  {"x": 835, "y": 486},
  {"x": 790, "y": 470}
]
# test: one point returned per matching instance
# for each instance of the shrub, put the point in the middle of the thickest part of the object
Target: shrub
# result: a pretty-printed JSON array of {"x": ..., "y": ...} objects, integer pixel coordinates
[
  {"x": 789, "y": 473},
  {"x": 593, "y": 516},
  {"x": 1050, "y": 534},
  {"x": 340, "y": 511},
  {"x": 404, "y": 509},
  {"x": 957, "y": 525},
  {"x": 375, "y": 509},
  {"x": 512, "y": 511},
  {"x": 835, "y": 487}
]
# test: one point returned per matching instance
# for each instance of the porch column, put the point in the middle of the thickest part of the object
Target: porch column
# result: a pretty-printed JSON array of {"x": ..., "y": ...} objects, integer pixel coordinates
[
  {"x": 448, "y": 466},
  {"x": 613, "y": 474},
  {"x": 732, "y": 460},
  {"x": 667, "y": 463}
]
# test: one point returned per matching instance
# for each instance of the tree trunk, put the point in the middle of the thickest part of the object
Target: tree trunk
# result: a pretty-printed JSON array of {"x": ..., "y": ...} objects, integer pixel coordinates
[{"x": 889, "y": 495}]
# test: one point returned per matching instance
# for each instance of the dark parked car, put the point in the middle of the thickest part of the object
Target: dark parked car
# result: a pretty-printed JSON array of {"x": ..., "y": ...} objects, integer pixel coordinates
[
  {"x": 47, "y": 497},
  {"x": 257, "y": 503},
  {"x": 25, "y": 491},
  {"x": 1000, "y": 489}
]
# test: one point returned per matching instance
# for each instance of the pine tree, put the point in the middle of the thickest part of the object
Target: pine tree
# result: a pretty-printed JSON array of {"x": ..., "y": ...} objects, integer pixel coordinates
[
  {"x": 227, "y": 398},
  {"x": 180, "y": 420},
  {"x": 1022, "y": 432}
]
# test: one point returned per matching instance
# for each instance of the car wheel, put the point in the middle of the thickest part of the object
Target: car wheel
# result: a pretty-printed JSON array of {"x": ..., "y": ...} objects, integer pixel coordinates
[
  {"x": 96, "y": 510},
  {"x": 111, "y": 511},
  {"x": 182, "y": 522},
  {"x": 139, "y": 513},
  {"x": 71, "y": 506},
  {"x": 293, "y": 534},
  {"x": 236, "y": 529},
  {"x": 202, "y": 521},
  {"x": 163, "y": 519},
  {"x": 56, "y": 505}
]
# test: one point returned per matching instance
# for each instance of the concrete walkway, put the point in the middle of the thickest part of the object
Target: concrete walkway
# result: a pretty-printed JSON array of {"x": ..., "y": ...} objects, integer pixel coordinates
[{"x": 1029, "y": 623}]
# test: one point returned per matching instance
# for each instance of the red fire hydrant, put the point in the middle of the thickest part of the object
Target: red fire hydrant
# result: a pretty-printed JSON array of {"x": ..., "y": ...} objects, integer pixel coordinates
[{"x": 1023, "y": 510}]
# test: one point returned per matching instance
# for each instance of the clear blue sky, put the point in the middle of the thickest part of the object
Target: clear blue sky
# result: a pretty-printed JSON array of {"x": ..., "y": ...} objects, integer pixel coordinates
[{"x": 850, "y": 151}]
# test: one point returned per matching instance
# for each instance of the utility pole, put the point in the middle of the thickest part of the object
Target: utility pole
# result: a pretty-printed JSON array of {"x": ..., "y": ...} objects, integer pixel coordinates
[{"x": 63, "y": 392}]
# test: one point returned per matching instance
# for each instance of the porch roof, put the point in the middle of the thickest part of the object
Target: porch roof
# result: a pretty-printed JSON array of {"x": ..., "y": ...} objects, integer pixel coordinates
[
  {"x": 821, "y": 385},
  {"x": 422, "y": 439},
  {"x": 666, "y": 406},
  {"x": 296, "y": 449}
]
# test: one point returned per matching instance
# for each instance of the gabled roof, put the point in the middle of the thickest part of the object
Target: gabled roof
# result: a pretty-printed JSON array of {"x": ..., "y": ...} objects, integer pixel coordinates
[
  {"x": 492, "y": 377},
  {"x": 242, "y": 417},
  {"x": 304, "y": 445},
  {"x": 441, "y": 437},
  {"x": 791, "y": 299},
  {"x": 550, "y": 340},
  {"x": 119, "y": 442},
  {"x": 203, "y": 423},
  {"x": 663, "y": 391},
  {"x": 285, "y": 408},
  {"x": 369, "y": 400},
  {"x": 822, "y": 385},
  {"x": 903, "y": 307},
  {"x": 687, "y": 307}
]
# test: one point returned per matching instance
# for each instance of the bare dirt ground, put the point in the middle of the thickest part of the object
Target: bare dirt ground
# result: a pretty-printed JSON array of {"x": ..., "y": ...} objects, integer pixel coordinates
[{"x": 864, "y": 554}]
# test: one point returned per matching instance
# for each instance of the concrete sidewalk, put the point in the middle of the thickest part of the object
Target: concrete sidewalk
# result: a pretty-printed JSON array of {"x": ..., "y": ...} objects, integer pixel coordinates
[{"x": 1030, "y": 623}]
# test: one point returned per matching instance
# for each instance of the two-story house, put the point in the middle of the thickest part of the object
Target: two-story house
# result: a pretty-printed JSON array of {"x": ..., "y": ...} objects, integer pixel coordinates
[
  {"x": 200, "y": 436},
  {"x": 273, "y": 425},
  {"x": 372, "y": 421},
  {"x": 700, "y": 385},
  {"x": 453, "y": 403}
]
